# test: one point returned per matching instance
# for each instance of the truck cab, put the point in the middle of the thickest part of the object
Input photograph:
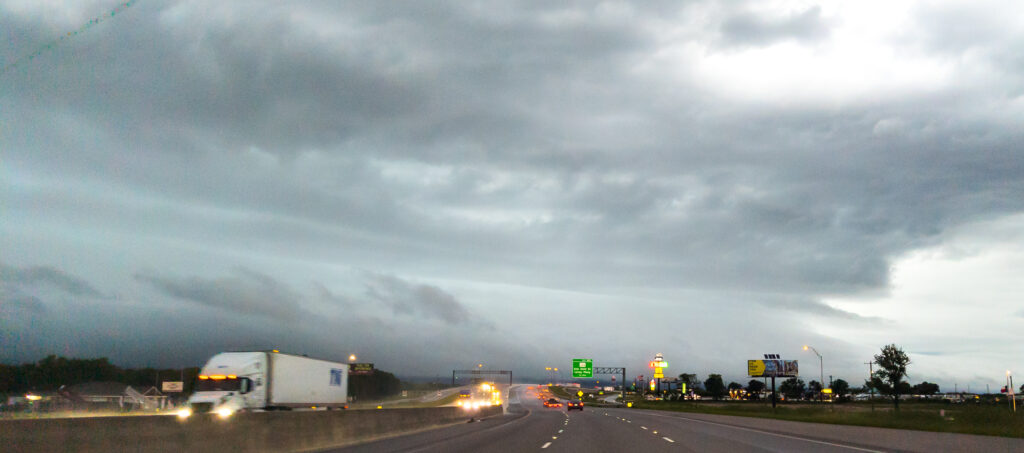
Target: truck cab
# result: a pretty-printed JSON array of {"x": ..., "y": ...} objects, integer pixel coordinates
[{"x": 230, "y": 382}]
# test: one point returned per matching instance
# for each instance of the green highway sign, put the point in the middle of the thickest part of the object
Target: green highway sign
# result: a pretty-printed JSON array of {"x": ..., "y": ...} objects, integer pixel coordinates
[{"x": 582, "y": 368}]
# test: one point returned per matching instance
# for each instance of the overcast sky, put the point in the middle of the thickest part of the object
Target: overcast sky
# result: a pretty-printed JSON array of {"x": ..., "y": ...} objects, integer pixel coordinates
[{"x": 432, "y": 185}]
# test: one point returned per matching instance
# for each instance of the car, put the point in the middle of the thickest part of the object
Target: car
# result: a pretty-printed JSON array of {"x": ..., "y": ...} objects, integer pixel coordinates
[
  {"x": 574, "y": 404},
  {"x": 552, "y": 403}
]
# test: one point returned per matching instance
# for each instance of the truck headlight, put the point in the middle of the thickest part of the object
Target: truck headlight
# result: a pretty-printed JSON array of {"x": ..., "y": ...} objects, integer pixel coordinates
[
  {"x": 225, "y": 412},
  {"x": 184, "y": 412}
]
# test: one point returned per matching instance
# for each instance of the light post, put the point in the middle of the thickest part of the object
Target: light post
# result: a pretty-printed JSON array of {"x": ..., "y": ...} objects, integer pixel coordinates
[
  {"x": 821, "y": 368},
  {"x": 351, "y": 358},
  {"x": 1009, "y": 390}
]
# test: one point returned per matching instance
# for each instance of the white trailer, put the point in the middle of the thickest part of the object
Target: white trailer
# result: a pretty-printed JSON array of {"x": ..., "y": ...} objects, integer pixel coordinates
[{"x": 267, "y": 380}]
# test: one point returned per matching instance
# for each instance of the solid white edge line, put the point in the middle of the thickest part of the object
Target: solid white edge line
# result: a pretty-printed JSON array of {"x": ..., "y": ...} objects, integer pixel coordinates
[
  {"x": 546, "y": 445},
  {"x": 773, "y": 434}
]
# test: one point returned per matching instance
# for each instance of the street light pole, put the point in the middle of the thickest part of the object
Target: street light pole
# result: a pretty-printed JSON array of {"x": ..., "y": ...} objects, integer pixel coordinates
[
  {"x": 871, "y": 377},
  {"x": 821, "y": 369}
]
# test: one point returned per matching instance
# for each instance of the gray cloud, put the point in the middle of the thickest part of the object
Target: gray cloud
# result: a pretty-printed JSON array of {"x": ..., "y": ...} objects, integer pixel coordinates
[
  {"x": 747, "y": 28},
  {"x": 416, "y": 299},
  {"x": 247, "y": 292},
  {"x": 14, "y": 299},
  {"x": 45, "y": 276}
]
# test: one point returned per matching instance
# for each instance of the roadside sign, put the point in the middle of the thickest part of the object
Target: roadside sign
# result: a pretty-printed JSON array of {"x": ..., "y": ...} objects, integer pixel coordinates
[
  {"x": 356, "y": 369},
  {"x": 582, "y": 368},
  {"x": 658, "y": 373},
  {"x": 579, "y": 393},
  {"x": 772, "y": 367},
  {"x": 172, "y": 386}
]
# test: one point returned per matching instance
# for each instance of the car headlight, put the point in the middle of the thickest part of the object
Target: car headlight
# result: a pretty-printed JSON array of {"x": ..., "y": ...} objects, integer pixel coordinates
[
  {"x": 225, "y": 412},
  {"x": 184, "y": 412}
]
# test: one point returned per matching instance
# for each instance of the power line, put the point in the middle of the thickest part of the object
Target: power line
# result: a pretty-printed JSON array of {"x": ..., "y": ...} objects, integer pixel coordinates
[{"x": 67, "y": 36}]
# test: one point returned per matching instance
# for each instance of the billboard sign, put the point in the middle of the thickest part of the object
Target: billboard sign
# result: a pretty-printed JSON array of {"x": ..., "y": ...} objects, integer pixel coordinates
[
  {"x": 772, "y": 368},
  {"x": 357, "y": 369},
  {"x": 172, "y": 386},
  {"x": 582, "y": 368}
]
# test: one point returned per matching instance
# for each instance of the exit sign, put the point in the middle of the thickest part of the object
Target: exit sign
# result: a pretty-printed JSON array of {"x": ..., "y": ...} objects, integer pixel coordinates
[{"x": 582, "y": 368}]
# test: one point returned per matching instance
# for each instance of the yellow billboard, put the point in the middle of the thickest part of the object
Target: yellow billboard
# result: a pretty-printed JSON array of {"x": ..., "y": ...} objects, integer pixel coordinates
[{"x": 769, "y": 368}]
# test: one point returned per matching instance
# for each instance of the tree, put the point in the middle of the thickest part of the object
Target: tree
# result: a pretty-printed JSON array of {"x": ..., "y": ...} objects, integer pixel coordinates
[
  {"x": 840, "y": 389},
  {"x": 715, "y": 386},
  {"x": 925, "y": 388},
  {"x": 691, "y": 381},
  {"x": 755, "y": 387},
  {"x": 793, "y": 388},
  {"x": 888, "y": 380},
  {"x": 813, "y": 390}
]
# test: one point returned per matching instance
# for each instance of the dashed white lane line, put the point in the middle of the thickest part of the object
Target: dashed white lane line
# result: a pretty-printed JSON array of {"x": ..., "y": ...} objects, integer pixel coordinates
[
  {"x": 643, "y": 427},
  {"x": 771, "y": 433},
  {"x": 669, "y": 440},
  {"x": 546, "y": 445},
  {"x": 560, "y": 431}
]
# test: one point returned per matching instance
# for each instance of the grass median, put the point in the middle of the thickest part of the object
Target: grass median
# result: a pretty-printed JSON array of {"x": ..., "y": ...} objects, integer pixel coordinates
[{"x": 989, "y": 420}]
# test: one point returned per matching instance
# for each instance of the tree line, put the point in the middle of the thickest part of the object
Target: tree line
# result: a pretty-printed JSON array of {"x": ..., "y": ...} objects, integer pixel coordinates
[
  {"x": 887, "y": 381},
  {"x": 54, "y": 371}
]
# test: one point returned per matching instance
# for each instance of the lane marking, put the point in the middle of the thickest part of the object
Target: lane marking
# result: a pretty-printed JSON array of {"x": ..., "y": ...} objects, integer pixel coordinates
[
  {"x": 546, "y": 445},
  {"x": 771, "y": 433},
  {"x": 554, "y": 437},
  {"x": 669, "y": 440},
  {"x": 560, "y": 431},
  {"x": 643, "y": 427}
]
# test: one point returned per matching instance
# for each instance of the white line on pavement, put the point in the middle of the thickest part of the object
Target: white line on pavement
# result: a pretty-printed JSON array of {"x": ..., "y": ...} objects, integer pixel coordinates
[
  {"x": 643, "y": 427},
  {"x": 770, "y": 433},
  {"x": 546, "y": 445},
  {"x": 669, "y": 440}
]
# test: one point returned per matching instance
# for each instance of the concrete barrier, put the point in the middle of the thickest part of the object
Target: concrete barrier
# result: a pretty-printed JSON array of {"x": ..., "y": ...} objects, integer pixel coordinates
[{"x": 252, "y": 432}]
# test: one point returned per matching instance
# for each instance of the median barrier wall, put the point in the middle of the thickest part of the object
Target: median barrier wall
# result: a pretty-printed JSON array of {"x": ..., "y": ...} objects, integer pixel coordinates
[{"x": 251, "y": 432}]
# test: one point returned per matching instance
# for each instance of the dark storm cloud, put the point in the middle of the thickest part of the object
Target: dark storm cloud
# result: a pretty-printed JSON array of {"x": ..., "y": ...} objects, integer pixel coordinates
[
  {"x": 46, "y": 277},
  {"x": 415, "y": 299},
  {"x": 539, "y": 144},
  {"x": 749, "y": 28},
  {"x": 247, "y": 292}
]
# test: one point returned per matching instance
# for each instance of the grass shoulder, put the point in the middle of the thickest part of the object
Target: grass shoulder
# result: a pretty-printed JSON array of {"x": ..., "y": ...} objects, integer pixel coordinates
[{"x": 987, "y": 420}]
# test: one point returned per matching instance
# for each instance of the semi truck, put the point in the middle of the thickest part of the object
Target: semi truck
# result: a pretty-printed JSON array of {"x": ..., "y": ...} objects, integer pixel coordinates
[{"x": 267, "y": 380}]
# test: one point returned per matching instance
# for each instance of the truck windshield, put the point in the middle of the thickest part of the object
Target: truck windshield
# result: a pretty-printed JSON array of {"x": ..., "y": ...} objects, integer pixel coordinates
[{"x": 218, "y": 385}]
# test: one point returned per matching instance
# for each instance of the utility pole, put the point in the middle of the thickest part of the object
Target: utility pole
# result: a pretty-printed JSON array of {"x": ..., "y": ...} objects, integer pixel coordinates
[{"x": 871, "y": 385}]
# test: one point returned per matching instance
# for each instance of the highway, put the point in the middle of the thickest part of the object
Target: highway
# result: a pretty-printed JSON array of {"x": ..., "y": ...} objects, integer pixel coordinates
[{"x": 529, "y": 426}]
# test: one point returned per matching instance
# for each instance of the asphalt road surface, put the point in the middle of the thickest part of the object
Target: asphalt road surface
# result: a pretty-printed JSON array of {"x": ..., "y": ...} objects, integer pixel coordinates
[{"x": 529, "y": 426}]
